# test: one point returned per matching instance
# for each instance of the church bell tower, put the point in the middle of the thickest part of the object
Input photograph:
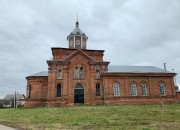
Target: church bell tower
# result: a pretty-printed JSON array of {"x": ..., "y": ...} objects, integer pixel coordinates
[{"x": 77, "y": 39}]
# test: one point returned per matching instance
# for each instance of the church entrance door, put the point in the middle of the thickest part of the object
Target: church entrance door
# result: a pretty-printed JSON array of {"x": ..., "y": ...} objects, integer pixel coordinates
[{"x": 79, "y": 93}]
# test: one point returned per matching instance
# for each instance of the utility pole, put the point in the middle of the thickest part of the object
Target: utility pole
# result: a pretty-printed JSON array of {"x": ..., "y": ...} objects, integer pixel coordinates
[{"x": 15, "y": 100}]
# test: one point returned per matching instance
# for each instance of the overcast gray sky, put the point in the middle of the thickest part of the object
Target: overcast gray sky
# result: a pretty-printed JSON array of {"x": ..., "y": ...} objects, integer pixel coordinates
[{"x": 132, "y": 32}]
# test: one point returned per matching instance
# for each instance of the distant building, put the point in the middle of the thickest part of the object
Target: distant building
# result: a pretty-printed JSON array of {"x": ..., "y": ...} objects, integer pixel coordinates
[
  {"x": 1, "y": 103},
  {"x": 176, "y": 87},
  {"x": 8, "y": 100},
  {"x": 77, "y": 75}
]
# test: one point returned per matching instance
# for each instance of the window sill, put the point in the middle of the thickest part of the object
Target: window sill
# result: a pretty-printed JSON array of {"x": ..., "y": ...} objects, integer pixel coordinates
[
  {"x": 60, "y": 78},
  {"x": 144, "y": 95},
  {"x": 59, "y": 97},
  {"x": 78, "y": 78}
]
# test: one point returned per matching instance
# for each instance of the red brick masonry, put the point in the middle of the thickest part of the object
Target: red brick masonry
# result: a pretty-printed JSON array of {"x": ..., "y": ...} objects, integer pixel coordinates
[{"x": 78, "y": 75}]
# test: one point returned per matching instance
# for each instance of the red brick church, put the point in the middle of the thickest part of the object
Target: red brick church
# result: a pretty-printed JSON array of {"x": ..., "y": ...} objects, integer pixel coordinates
[{"x": 77, "y": 75}]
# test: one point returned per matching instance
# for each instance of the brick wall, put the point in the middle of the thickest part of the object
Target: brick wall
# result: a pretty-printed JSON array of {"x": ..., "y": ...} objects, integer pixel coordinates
[
  {"x": 44, "y": 88},
  {"x": 38, "y": 91},
  {"x": 178, "y": 96},
  {"x": 153, "y": 91}
]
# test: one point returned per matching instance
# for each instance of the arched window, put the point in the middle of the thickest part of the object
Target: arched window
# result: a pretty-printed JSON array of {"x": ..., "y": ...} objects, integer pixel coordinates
[
  {"x": 84, "y": 43},
  {"x": 76, "y": 73},
  {"x": 144, "y": 89},
  {"x": 97, "y": 74},
  {"x": 77, "y": 42},
  {"x": 29, "y": 92},
  {"x": 133, "y": 89},
  {"x": 116, "y": 89},
  {"x": 71, "y": 43},
  {"x": 59, "y": 74},
  {"x": 81, "y": 72},
  {"x": 98, "y": 91},
  {"x": 79, "y": 86},
  {"x": 162, "y": 89},
  {"x": 58, "y": 91}
]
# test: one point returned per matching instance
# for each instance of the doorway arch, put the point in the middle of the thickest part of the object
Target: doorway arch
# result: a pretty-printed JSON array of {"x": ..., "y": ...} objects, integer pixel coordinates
[{"x": 79, "y": 93}]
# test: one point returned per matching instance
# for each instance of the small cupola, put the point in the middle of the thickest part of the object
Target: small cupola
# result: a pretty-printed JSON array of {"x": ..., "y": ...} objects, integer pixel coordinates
[{"x": 77, "y": 39}]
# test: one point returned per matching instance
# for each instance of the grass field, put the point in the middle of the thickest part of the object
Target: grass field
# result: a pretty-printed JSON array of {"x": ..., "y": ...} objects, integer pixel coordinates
[{"x": 133, "y": 117}]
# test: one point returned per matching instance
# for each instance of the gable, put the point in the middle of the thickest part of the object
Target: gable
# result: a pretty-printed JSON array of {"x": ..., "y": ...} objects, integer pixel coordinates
[
  {"x": 78, "y": 60},
  {"x": 79, "y": 52}
]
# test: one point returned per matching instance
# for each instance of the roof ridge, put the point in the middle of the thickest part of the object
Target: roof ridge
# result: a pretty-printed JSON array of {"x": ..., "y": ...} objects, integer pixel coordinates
[
  {"x": 133, "y": 65},
  {"x": 139, "y": 69},
  {"x": 41, "y": 73}
]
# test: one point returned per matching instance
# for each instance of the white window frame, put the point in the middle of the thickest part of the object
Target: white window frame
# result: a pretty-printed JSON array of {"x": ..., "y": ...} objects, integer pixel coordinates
[
  {"x": 81, "y": 72},
  {"x": 134, "y": 89},
  {"x": 144, "y": 89},
  {"x": 76, "y": 72},
  {"x": 78, "y": 42},
  {"x": 162, "y": 88},
  {"x": 59, "y": 74},
  {"x": 71, "y": 43},
  {"x": 116, "y": 89},
  {"x": 97, "y": 74}
]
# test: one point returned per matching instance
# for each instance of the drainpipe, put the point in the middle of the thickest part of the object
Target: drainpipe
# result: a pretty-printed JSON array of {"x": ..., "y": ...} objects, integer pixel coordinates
[
  {"x": 165, "y": 66},
  {"x": 174, "y": 77}
]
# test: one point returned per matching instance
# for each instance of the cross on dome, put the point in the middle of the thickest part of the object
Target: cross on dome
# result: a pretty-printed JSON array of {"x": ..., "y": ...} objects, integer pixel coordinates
[{"x": 77, "y": 39}]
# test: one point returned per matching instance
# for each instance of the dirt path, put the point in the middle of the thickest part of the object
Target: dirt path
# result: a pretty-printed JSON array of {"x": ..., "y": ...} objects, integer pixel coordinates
[{"x": 2, "y": 127}]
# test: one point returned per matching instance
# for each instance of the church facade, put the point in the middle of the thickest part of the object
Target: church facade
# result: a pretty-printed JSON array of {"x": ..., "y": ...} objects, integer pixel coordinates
[{"x": 77, "y": 75}]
